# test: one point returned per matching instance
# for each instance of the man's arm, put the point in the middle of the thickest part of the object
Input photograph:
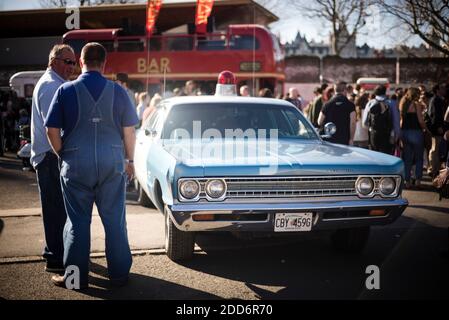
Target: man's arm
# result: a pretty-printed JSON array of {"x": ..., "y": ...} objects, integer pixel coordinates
[
  {"x": 321, "y": 119},
  {"x": 129, "y": 139},
  {"x": 54, "y": 137},
  {"x": 365, "y": 121},
  {"x": 352, "y": 125}
]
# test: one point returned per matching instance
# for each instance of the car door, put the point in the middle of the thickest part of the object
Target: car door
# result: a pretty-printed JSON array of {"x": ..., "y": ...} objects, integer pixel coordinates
[{"x": 145, "y": 138}]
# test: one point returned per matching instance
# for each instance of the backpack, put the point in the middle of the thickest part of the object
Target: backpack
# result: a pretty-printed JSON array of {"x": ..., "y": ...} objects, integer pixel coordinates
[{"x": 380, "y": 121}]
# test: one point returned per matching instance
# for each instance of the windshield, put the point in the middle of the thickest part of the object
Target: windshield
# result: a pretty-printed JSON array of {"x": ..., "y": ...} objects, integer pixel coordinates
[{"x": 231, "y": 120}]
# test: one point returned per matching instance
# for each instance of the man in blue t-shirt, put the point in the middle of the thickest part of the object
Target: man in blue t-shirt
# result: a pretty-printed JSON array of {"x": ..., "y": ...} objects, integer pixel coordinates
[{"x": 90, "y": 126}]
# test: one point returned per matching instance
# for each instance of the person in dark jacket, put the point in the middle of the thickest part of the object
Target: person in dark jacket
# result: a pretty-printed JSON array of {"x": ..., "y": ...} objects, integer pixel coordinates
[{"x": 436, "y": 111}]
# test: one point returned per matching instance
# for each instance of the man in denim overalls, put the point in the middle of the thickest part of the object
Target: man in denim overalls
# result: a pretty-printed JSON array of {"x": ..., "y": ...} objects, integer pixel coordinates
[{"x": 97, "y": 121}]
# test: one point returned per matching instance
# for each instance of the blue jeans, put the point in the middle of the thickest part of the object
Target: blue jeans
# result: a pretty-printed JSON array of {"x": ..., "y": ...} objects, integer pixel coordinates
[
  {"x": 413, "y": 152},
  {"x": 53, "y": 210}
]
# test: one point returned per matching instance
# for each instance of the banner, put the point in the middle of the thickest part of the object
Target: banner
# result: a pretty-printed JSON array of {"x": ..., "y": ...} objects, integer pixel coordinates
[
  {"x": 153, "y": 8},
  {"x": 203, "y": 10}
]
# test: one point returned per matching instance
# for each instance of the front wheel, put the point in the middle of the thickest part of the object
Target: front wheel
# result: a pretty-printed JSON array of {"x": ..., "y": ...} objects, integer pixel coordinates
[
  {"x": 143, "y": 199},
  {"x": 351, "y": 240},
  {"x": 179, "y": 245}
]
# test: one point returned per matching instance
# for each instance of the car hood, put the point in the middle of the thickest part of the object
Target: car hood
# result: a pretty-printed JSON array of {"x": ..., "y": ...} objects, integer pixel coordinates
[{"x": 284, "y": 157}]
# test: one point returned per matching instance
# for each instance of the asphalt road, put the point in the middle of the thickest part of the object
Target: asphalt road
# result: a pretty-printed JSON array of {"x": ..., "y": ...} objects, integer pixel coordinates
[{"x": 407, "y": 252}]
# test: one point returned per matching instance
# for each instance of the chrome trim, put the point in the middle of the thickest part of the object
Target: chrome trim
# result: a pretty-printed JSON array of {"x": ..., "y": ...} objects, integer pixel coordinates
[
  {"x": 181, "y": 197},
  {"x": 186, "y": 211},
  {"x": 357, "y": 218},
  {"x": 373, "y": 190},
  {"x": 291, "y": 187},
  {"x": 299, "y": 205},
  {"x": 395, "y": 193},
  {"x": 223, "y": 196}
]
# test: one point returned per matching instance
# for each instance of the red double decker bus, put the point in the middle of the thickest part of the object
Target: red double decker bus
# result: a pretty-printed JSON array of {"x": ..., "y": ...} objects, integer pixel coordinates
[{"x": 251, "y": 52}]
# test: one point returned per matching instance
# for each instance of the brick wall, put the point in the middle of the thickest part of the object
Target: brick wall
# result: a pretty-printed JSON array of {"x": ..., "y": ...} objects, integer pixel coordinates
[{"x": 412, "y": 70}]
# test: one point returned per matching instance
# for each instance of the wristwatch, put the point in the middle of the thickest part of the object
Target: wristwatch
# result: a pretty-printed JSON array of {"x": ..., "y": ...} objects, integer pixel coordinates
[{"x": 129, "y": 161}]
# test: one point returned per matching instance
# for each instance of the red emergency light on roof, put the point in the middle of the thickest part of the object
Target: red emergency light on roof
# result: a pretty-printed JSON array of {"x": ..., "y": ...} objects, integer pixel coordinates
[
  {"x": 226, "y": 77},
  {"x": 226, "y": 84}
]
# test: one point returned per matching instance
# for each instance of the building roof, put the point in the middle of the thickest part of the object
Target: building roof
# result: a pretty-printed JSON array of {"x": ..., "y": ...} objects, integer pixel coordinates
[{"x": 51, "y": 22}]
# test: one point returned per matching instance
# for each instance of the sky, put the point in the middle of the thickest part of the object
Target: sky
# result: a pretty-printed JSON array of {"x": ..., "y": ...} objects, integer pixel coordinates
[{"x": 374, "y": 33}]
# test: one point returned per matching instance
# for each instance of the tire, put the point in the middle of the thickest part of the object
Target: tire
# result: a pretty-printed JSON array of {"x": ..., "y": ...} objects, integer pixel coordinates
[
  {"x": 351, "y": 240},
  {"x": 143, "y": 199},
  {"x": 179, "y": 244}
]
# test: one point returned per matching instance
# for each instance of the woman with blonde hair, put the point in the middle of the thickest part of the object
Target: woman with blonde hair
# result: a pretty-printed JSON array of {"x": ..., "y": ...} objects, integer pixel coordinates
[{"x": 413, "y": 128}]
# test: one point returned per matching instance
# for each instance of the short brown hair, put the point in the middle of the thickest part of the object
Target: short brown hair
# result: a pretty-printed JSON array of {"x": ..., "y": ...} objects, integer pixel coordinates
[
  {"x": 57, "y": 50},
  {"x": 122, "y": 77},
  {"x": 93, "y": 54},
  {"x": 340, "y": 87}
]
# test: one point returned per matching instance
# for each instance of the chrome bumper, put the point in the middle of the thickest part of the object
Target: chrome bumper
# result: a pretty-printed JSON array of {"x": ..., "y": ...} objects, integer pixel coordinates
[{"x": 182, "y": 214}]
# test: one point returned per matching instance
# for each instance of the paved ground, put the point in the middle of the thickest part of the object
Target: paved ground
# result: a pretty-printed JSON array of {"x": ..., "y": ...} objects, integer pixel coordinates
[{"x": 407, "y": 252}]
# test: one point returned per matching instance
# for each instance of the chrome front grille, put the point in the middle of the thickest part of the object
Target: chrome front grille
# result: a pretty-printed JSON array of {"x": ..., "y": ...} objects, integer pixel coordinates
[{"x": 288, "y": 187}]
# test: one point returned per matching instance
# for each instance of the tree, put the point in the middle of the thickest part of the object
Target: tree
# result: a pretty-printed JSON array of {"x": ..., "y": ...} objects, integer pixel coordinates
[
  {"x": 428, "y": 19},
  {"x": 80, "y": 3},
  {"x": 346, "y": 18}
]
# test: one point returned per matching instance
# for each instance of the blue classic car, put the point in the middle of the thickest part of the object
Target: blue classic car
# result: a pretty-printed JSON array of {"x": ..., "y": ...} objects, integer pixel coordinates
[{"x": 251, "y": 164}]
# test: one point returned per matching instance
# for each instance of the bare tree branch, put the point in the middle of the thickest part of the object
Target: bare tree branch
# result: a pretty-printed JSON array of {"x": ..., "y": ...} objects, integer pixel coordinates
[
  {"x": 346, "y": 18},
  {"x": 427, "y": 19},
  {"x": 81, "y": 3}
]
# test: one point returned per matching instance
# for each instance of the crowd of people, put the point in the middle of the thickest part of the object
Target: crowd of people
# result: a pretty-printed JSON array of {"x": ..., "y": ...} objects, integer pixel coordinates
[
  {"x": 14, "y": 112},
  {"x": 411, "y": 123},
  {"x": 73, "y": 173}
]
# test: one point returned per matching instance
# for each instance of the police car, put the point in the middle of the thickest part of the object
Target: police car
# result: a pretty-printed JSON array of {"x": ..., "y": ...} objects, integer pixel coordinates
[{"x": 228, "y": 163}]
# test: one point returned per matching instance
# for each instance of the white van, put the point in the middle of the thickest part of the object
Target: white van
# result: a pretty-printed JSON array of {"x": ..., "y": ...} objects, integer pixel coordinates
[
  {"x": 369, "y": 84},
  {"x": 23, "y": 83}
]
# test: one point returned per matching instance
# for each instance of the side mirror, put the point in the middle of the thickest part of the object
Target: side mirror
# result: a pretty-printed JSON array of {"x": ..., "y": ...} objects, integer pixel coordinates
[
  {"x": 329, "y": 130},
  {"x": 150, "y": 132}
]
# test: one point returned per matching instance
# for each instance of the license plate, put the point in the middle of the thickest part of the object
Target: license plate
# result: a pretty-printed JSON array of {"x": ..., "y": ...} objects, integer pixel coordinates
[{"x": 289, "y": 222}]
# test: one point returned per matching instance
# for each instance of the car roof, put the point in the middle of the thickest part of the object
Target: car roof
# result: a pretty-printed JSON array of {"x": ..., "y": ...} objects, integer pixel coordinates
[{"x": 170, "y": 102}]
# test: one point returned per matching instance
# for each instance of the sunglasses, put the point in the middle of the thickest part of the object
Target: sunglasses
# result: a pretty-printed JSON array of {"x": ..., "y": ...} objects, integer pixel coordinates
[{"x": 68, "y": 61}]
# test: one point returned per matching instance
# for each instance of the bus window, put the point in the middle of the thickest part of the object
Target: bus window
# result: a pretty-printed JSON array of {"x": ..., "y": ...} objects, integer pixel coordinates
[
  {"x": 179, "y": 43},
  {"x": 211, "y": 43},
  {"x": 76, "y": 44},
  {"x": 130, "y": 46},
  {"x": 155, "y": 44},
  {"x": 243, "y": 42},
  {"x": 108, "y": 45}
]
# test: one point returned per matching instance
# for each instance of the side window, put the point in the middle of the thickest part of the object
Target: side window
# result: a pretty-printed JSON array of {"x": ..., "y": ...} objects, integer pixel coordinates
[
  {"x": 107, "y": 44},
  {"x": 244, "y": 42},
  {"x": 76, "y": 44},
  {"x": 149, "y": 123},
  {"x": 212, "y": 43},
  {"x": 155, "y": 122},
  {"x": 130, "y": 46},
  {"x": 179, "y": 43}
]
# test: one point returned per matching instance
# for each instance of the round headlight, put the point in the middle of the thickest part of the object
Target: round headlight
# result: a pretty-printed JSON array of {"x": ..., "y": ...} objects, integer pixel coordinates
[
  {"x": 364, "y": 186},
  {"x": 387, "y": 186},
  {"x": 189, "y": 189},
  {"x": 216, "y": 188}
]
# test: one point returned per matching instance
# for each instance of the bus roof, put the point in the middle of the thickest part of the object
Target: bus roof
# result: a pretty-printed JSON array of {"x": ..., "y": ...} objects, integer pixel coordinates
[
  {"x": 103, "y": 34},
  {"x": 27, "y": 74},
  {"x": 373, "y": 80}
]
